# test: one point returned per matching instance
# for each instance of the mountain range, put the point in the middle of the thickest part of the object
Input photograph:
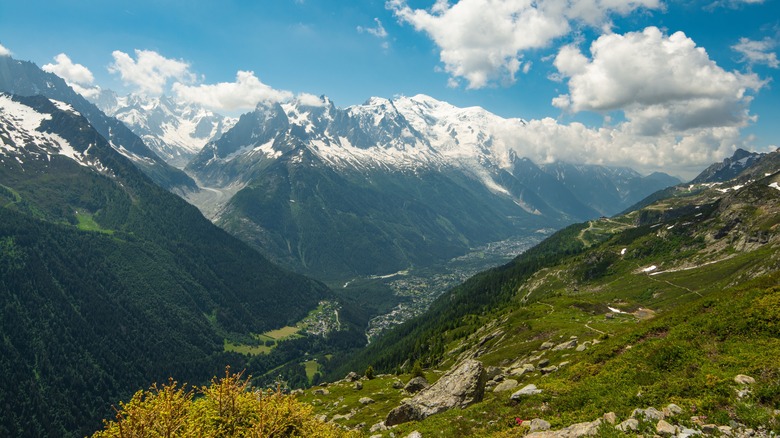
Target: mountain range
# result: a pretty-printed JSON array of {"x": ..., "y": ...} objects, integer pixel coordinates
[
  {"x": 174, "y": 130},
  {"x": 376, "y": 188},
  {"x": 23, "y": 78}
]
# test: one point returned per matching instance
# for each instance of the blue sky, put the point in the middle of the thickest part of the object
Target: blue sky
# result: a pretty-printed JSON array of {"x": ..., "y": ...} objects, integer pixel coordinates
[{"x": 619, "y": 67}]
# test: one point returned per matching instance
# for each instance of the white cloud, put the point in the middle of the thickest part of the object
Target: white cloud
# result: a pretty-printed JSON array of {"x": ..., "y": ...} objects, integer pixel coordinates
[
  {"x": 483, "y": 41},
  {"x": 150, "y": 71},
  {"x": 733, "y": 4},
  {"x": 547, "y": 140},
  {"x": 757, "y": 52},
  {"x": 377, "y": 31},
  {"x": 66, "y": 69},
  {"x": 243, "y": 94},
  {"x": 4, "y": 51},
  {"x": 662, "y": 84},
  {"x": 307, "y": 99},
  {"x": 76, "y": 75}
]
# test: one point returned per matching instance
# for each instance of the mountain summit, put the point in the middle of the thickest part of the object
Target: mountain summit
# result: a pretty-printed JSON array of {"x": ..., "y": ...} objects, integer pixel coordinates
[
  {"x": 389, "y": 184},
  {"x": 174, "y": 130}
]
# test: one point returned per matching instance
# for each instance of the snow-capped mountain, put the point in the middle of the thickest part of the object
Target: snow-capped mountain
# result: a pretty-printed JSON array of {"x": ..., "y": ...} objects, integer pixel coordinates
[
  {"x": 22, "y": 78},
  {"x": 25, "y": 133},
  {"x": 377, "y": 187},
  {"x": 174, "y": 130}
]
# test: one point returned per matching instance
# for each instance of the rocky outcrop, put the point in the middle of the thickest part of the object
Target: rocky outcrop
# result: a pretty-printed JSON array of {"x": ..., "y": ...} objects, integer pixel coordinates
[
  {"x": 460, "y": 387},
  {"x": 416, "y": 385}
]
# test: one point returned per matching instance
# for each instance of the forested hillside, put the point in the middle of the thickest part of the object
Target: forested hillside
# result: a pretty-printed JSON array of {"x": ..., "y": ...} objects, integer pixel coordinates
[{"x": 110, "y": 282}]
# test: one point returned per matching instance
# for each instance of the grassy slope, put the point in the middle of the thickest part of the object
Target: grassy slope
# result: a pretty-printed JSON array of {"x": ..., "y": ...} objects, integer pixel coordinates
[{"x": 713, "y": 315}]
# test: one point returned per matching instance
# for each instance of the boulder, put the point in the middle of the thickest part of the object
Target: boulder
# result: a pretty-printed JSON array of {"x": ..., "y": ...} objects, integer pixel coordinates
[
  {"x": 378, "y": 427},
  {"x": 671, "y": 410},
  {"x": 580, "y": 429},
  {"x": 366, "y": 400},
  {"x": 414, "y": 434},
  {"x": 526, "y": 391},
  {"x": 630, "y": 425},
  {"x": 546, "y": 346},
  {"x": 610, "y": 417},
  {"x": 320, "y": 391},
  {"x": 352, "y": 377},
  {"x": 416, "y": 385},
  {"x": 460, "y": 387},
  {"x": 744, "y": 380},
  {"x": 571, "y": 343},
  {"x": 549, "y": 370},
  {"x": 506, "y": 385},
  {"x": 358, "y": 385},
  {"x": 492, "y": 372},
  {"x": 543, "y": 363},
  {"x": 665, "y": 429},
  {"x": 537, "y": 424},
  {"x": 398, "y": 384},
  {"x": 650, "y": 414}
]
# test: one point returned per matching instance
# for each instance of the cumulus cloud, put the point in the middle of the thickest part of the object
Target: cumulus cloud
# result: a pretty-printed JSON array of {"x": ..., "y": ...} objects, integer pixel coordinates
[
  {"x": 243, "y": 94},
  {"x": 482, "y": 41},
  {"x": 547, "y": 141},
  {"x": 150, "y": 72},
  {"x": 307, "y": 99},
  {"x": 76, "y": 75},
  {"x": 757, "y": 52},
  {"x": 4, "y": 51},
  {"x": 661, "y": 83}
]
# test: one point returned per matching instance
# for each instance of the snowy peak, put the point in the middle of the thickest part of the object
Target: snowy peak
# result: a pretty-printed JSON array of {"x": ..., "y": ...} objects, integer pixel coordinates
[
  {"x": 174, "y": 130},
  {"x": 27, "y": 132}
]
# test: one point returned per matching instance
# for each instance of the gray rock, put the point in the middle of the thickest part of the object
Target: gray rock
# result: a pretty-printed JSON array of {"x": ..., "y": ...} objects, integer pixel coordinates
[
  {"x": 352, "y": 377},
  {"x": 709, "y": 429},
  {"x": 338, "y": 417},
  {"x": 688, "y": 433},
  {"x": 581, "y": 429},
  {"x": 492, "y": 372},
  {"x": 665, "y": 429},
  {"x": 320, "y": 391},
  {"x": 548, "y": 370},
  {"x": 358, "y": 386},
  {"x": 379, "y": 435},
  {"x": 416, "y": 385},
  {"x": 366, "y": 400},
  {"x": 543, "y": 363},
  {"x": 610, "y": 417},
  {"x": 526, "y": 391},
  {"x": 398, "y": 384},
  {"x": 582, "y": 347},
  {"x": 414, "y": 434},
  {"x": 378, "y": 427},
  {"x": 744, "y": 380},
  {"x": 572, "y": 343},
  {"x": 460, "y": 387},
  {"x": 671, "y": 410},
  {"x": 523, "y": 370},
  {"x": 725, "y": 430},
  {"x": 547, "y": 345},
  {"x": 322, "y": 418},
  {"x": 537, "y": 424},
  {"x": 630, "y": 425},
  {"x": 650, "y": 414},
  {"x": 506, "y": 385}
]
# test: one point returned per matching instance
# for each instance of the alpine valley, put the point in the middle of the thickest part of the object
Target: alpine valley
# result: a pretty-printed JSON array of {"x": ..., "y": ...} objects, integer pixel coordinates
[{"x": 390, "y": 185}]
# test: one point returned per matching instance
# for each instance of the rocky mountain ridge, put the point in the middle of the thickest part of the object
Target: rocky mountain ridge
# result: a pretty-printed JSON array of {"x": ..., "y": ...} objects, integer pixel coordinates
[{"x": 416, "y": 179}]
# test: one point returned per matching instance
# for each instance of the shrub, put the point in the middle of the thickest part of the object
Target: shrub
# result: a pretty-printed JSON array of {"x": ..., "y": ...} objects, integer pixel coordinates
[
  {"x": 228, "y": 407},
  {"x": 370, "y": 372}
]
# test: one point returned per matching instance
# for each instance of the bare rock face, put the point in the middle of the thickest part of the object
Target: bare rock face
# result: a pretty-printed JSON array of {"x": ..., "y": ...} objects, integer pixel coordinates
[{"x": 460, "y": 387}]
